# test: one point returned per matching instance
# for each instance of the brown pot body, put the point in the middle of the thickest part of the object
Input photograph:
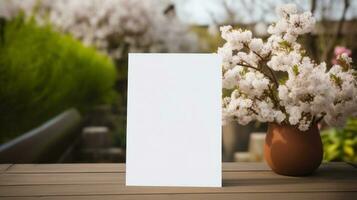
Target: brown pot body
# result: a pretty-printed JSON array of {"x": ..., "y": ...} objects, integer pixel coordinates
[{"x": 289, "y": 151}]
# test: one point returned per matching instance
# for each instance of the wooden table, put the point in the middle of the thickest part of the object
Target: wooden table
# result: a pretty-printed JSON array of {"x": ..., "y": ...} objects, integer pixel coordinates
[{"x": 107, "y": 181}]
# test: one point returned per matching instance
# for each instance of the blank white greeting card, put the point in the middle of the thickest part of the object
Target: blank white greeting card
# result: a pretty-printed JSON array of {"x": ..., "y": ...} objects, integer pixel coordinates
[{"x": 174, "y": 120}]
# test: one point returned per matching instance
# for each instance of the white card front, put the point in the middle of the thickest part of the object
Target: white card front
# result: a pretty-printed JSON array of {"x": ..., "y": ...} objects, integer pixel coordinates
[{"x": 174, "y": 120}]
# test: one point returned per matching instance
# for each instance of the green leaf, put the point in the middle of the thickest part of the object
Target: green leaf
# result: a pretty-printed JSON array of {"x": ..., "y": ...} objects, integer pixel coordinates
[
  {"x": 227, "y": 92},
  {"x": 344, "y": 64},
  {"x": 296, "y": 70},
  {"x": 348, "y": 150},
  {"x": 286, "y": 45},
  {"x": 244, "y": 71},
  {"x": 283, "y": 80},
  {"x": 332, "y": 148},
  {"x": 337, "y": 80}
]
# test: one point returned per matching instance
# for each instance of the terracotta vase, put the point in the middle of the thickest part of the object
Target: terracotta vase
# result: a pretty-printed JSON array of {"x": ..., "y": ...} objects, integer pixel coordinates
[{"x": 289, "y": 151}]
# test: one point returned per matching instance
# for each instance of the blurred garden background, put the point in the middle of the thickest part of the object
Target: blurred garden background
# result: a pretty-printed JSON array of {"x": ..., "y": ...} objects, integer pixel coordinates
[{"x": 63, "y": 69}]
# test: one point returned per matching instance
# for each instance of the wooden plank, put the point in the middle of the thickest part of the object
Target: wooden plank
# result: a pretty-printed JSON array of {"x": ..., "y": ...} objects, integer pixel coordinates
[
  {"x": 251, "y": 186},
  {"x": 114, "y": 178},
  {"x": 119, "y": 178},
  {"x": 97, "y": 168},
  {"x": 109, "y": 168},
  {"x": 61, "y": 179},
  {"x": 4, "y": 167},
  {"x": 240, "y": 196},
  {"x": 67, "y": 168},
  {"x": 245, "y": 166}
]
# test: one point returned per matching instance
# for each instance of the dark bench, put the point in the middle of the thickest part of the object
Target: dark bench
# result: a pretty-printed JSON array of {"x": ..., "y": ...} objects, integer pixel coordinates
[{"x": 45, "y": 143}]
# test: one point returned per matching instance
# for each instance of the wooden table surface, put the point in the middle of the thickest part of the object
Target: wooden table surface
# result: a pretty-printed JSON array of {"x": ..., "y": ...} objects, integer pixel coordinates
[{"x": 107, "y": 181}]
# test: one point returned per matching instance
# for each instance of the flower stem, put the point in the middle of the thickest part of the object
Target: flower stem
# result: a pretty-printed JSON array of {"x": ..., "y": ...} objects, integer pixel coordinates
[
  {"x": 274, "y": 79},
  {"x": 259, "y": 70}
]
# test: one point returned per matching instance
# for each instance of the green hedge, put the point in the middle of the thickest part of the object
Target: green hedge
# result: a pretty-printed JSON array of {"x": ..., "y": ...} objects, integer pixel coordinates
[
  {"x": 43, "y": 72},
  {"x": 340, "y": 144}
]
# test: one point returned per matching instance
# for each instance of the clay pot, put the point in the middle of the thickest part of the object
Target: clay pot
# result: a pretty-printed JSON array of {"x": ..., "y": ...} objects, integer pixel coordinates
[{"x": 289, "y": 151}]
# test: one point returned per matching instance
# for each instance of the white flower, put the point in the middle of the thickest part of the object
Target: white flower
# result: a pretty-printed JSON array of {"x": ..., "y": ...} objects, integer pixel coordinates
[
  {"x": 256, "y": 44},
  {"x": 286, "y": 9},
  {"x": 295, "y": 114},
  {"x": 224, "y": 31},
  {"x": 279, "y": 116},
  {"x": 231, "y": 78},
  {"x": 279, "y": 28},
  {"x": 304, "y": 124},
  {"x": 301, "y": 24},
  {"x": 283, "y": 93},
  {"x": 246, "y": 36},
  {"x": 290, "y": 37},
  {"x": 226, "y": 54},
  {"x": 283, "y": 62},
  {"x": 236, "y": 38},
  {"x": 345, "y": 57}
]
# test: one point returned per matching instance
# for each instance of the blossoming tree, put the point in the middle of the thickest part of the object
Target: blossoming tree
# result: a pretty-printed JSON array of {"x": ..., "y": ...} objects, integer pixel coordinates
[
  {"x": 275, "y": 81},
  {"x": 113, "y": 26}
]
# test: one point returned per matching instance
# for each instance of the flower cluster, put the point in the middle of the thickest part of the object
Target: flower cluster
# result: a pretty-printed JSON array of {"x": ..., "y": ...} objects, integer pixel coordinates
[
  {"x": 274, "y": 80},
  {"x": 113, "y": 26}
]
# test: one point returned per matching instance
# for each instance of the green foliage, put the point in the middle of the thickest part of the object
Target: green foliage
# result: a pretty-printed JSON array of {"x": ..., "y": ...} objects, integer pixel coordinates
[
  {"x": 296, "y": 70},
  {"x": 283, "y": 80},
  {"x": 209, "y": 43},
  {"x": 337, "y": 80},
  {"x": 341, "y": 144},
  {"x": 43, "y": 73},
  {"x": 226, "y": 92},
  {"x": 286, "y": 45}
]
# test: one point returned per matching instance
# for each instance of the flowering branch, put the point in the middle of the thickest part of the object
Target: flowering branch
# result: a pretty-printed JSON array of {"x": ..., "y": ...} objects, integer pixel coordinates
[
  {"x": 272, "y": 77},
  {"x": 309, "y": 93}
]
